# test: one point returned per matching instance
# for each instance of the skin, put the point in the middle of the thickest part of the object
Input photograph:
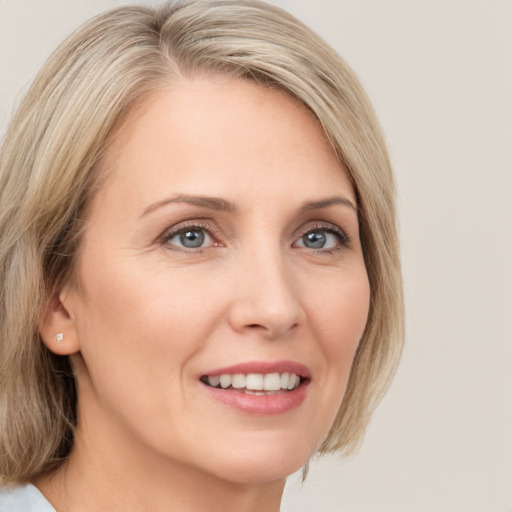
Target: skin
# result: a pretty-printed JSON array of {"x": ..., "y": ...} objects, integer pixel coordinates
[{"x": 152, "y": 316}]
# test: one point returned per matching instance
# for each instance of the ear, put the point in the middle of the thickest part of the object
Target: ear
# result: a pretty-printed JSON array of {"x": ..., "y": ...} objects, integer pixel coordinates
[{"x": 57, "y": 327}]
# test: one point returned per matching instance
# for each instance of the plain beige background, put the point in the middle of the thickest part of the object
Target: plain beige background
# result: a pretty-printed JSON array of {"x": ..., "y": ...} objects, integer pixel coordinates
[{"x": 440, "y": 75}]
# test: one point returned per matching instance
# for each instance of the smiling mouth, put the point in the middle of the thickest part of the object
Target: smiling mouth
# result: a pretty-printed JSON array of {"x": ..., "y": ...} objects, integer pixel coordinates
[{"x": 255, "y": 383}]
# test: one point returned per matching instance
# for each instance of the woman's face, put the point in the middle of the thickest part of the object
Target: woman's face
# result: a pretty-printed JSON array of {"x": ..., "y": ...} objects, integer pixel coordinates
[{"x": 222, "y": 255}]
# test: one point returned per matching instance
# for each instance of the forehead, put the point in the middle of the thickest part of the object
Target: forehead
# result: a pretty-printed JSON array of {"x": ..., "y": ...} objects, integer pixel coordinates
[{"x": 215, "y": 131}]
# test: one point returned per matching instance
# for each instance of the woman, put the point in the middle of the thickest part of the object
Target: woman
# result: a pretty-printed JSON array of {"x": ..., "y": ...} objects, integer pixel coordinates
[{"x": 200, "y": 263}]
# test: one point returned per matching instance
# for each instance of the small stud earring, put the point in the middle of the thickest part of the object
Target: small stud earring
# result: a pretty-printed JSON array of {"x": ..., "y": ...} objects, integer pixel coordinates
[{"x": 59, "y": 337}]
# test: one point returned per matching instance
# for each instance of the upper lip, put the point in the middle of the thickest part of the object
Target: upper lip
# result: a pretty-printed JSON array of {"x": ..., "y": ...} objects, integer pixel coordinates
[{"x": 264, "y": 367}]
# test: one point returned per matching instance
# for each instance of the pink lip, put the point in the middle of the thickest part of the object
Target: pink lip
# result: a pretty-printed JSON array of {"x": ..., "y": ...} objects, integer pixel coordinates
[
  {"x": 263, "y": 367},
  {"x": 261, "y": 404}
]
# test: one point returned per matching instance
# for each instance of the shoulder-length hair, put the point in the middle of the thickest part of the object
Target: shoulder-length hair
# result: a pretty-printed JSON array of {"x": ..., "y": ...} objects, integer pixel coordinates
[{"x": 48, "y": 165}]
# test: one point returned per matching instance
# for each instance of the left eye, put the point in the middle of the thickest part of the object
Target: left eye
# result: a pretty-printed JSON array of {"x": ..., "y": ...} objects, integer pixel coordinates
[
  {"x": 190, "y": 238},
  {"x": 319, "y": 239}
]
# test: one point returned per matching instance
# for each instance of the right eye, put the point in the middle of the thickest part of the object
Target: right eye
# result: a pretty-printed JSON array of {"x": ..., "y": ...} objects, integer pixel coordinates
[{"x": 190, "y": 237}]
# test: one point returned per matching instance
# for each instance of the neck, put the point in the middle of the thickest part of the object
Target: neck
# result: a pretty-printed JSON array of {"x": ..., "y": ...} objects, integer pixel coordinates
[{"x": 180, "y": 490}]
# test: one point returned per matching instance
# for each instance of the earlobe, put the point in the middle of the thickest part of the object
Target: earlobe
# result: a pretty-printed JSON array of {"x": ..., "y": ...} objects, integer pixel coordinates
[{"x": 57, "y": 328}]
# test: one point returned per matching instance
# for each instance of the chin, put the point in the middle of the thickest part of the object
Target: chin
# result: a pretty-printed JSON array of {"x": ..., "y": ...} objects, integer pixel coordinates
[
  {"x": 260, "y": 463},
  {"x": 259, "y": 473}
]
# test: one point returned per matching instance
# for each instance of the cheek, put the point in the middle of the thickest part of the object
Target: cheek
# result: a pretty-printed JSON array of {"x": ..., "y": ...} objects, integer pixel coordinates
[
  {"x": 339, "y": 317},
  {"x": 341, "y": 313},
  {"x": 139, "y": 332},
  {"x": 137, "y": 337}
]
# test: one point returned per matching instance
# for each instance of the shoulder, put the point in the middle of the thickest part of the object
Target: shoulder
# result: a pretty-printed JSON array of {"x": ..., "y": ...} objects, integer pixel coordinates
[{"x": 23, "y": 499}]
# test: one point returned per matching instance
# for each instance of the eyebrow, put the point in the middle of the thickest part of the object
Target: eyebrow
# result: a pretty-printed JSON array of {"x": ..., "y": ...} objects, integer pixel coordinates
[
  {"x": 211, "y": 203},
  {"x": 330, "y": 201},
  {"x": 218, "y": 204}
]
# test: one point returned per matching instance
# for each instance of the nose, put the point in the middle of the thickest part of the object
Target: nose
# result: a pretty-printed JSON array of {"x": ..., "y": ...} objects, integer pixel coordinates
[{"x": 266, "y": 297}]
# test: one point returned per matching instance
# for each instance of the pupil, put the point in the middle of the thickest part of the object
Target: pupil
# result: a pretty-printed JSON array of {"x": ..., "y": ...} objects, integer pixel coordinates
[
  {"x": 315, "y": 240},
  {"x": 192, "y": 239}
]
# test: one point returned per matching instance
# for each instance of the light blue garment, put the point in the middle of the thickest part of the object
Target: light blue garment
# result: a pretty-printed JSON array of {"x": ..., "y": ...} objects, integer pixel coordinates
[{"x": 23, "y": 499}]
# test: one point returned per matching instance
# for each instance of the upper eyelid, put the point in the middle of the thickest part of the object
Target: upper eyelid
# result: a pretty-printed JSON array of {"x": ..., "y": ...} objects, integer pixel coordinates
[
  {"x": 189, "y": 224},
  {"x": 322, "y": 225},
  {"x": 172, "y": 231}
]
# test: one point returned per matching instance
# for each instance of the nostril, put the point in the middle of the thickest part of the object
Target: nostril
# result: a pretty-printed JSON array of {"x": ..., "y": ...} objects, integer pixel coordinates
[{"x": 266, "y": 315}]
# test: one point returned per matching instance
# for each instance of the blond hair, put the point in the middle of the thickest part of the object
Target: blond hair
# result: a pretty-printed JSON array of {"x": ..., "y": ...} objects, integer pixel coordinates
[{"x": 47, "y": 177}]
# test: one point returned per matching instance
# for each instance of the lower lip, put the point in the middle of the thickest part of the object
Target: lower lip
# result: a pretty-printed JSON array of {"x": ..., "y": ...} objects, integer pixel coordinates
[{"x": 264, "y": 405}]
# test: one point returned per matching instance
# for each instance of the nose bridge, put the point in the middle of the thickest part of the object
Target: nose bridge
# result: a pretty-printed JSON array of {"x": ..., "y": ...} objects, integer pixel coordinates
[{"x": 267, "y": 298}]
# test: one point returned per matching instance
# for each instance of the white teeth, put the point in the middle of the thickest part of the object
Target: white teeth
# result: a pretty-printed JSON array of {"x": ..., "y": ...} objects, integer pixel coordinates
[
  {"x": 272, "y": 382},
  {"x": 292, "y": 381},
  {"x": 225, "y": 380},
  {"x": 256, "y": 383},
  {"x": 238, "y": 381},
  {"x": 214, "y": 381}
]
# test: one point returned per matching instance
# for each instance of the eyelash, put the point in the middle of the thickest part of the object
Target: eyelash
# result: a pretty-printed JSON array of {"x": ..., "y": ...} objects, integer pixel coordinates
[
  {"x": 189, "y": 226},
  {"x": 342, "y": 237}
]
